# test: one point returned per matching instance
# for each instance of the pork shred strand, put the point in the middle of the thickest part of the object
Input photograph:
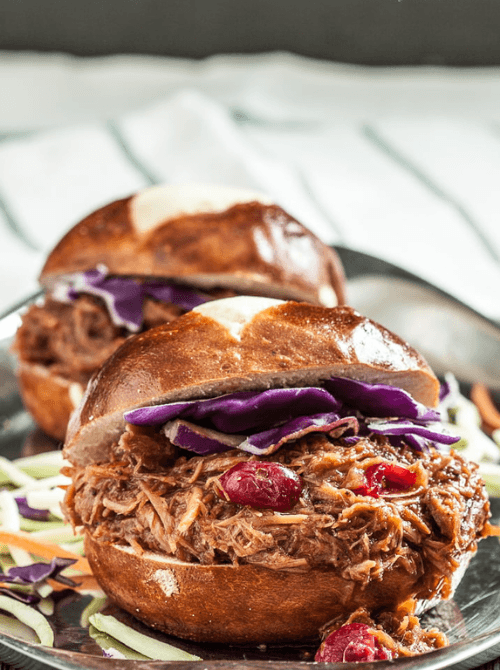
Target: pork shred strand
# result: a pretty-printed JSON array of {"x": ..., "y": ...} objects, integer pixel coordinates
[
  {"x": 74, "y": 339},
  {"x": 157, "y": 496}
]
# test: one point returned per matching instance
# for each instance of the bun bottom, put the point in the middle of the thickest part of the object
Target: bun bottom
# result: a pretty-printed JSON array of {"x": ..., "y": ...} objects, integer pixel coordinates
[
  {"x": 237, "y": 605},
  {"x": 49, "y": 398}
]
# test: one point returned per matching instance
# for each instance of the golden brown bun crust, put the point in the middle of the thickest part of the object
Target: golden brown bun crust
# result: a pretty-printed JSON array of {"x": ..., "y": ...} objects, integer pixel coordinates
[
  {"x": 240, "y": 604},
  {"x": 252, "y": 247},
  {"x": 285, "y": 344},
  {"x": 47, "y": 397}
]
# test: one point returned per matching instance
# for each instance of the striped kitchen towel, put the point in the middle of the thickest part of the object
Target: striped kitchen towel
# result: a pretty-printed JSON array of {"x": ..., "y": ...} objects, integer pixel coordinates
[{"x": 400, "y": 163}]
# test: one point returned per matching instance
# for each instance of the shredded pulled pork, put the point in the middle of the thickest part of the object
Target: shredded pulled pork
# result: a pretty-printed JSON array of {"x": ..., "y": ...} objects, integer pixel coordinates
[
  {"x": 156, "y": 497},
  {"x": 74, "y": 339},
  {"x": 399, "y": 631}
]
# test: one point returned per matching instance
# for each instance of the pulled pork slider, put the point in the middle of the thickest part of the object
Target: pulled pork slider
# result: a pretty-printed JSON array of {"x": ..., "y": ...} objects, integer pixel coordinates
[
  {"x": 144, "y": 260},
  {"x": 259, "y": 468}
]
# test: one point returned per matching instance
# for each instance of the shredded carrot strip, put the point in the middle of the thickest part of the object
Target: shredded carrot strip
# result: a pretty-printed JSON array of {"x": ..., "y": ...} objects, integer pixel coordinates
[
  {"x": 42, "y": 549},
  {"x": 481, "y": 397},
  {"x": 84, "y": 583}
]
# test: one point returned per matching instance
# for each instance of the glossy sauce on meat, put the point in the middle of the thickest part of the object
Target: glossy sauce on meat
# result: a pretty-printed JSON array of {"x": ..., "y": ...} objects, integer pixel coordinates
[{"x": 154, "y": 497}]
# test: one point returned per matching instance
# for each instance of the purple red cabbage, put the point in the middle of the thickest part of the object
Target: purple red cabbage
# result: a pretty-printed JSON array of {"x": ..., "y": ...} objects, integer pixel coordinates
[
  {"x": 379, "y": 400},
  {"x": 35, "y": 573},
  {"x": 445, "y": 390},
  {"x": 204, "y": 441},
  {"x": 31, "y": 512},
  {"x": 405, "y": 428},
  {"x": 239, "y": 412},
  {"x": 124, "y": 297},
  {"x": 183, "y": 296},
  {"x": 271, "y": 440},
  {"x": 416, "y": 442},
  {"x": 32, "y": 576},
  {"x": 261, "y": 422},
  {"x": 201, "y": 441}
]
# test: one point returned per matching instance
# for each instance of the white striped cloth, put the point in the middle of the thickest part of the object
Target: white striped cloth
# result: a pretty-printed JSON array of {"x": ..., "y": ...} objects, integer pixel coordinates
[{"x": 401, "y": 163}]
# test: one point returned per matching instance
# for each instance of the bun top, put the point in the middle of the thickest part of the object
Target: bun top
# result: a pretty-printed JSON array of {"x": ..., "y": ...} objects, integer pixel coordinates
[
  {"x": 240, "y": 344},
  {"x": 206, "y": 236}
]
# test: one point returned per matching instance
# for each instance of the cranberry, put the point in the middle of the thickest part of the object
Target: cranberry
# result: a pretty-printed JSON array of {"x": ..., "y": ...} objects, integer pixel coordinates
[
  {"x": 386, "y": 478},
  {"x": 351, "y": 643},
  {"x": 356, "y": 652},
  {"x": 262, "y": 485}
]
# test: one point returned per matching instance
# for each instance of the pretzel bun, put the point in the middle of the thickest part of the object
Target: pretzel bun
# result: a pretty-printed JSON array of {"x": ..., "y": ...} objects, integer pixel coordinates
[
  {"x": 242, "y": 343},
  {"x": 243, "y": 604},
  {"x": 49, "y": 398},
  {"x": 206, "y": 237}
]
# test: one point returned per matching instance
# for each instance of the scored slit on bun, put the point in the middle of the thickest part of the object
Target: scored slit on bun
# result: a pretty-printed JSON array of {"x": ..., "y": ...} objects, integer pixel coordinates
[
  {"x": 370, "y": 508},
  {"x": 144, "y": 260}
]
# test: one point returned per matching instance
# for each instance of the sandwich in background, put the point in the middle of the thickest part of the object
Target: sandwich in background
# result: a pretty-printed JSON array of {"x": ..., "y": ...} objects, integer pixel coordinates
[{"x": 145, "y": 260}]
